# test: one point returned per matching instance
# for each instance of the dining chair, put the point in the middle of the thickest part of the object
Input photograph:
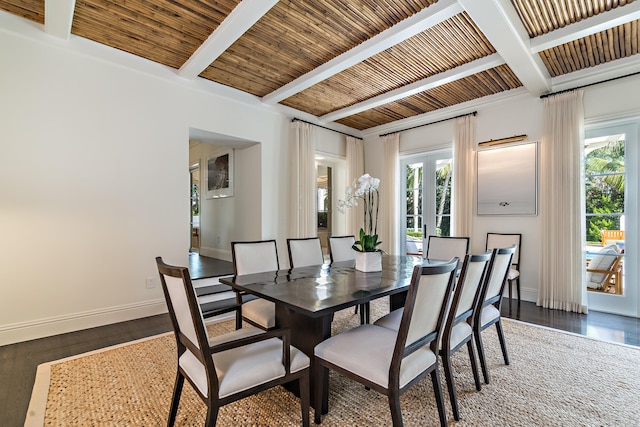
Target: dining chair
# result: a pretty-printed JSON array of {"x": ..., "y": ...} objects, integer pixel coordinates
[
  {"x": 504, "y": 240},
  {"x": 458, "y": 329},
  {"x": 304, "y": 252},
  {"x": 250, "y": 258},
  {"x": 489, "y": 303},
  {"x": 389, "y": 361},
  {"x": 228, "y": 367},
  {"x": 444, "y": 248},
  {"x": 341, "y": 249}
]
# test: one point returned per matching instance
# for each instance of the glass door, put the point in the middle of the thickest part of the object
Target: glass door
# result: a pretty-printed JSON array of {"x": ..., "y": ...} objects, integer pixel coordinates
[
  {"x": 610, "y": 212},
  {"x": 426, "y": 199}
]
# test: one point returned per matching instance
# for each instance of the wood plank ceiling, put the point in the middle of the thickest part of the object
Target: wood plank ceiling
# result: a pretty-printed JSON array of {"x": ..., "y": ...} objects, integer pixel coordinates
[{"x": 361, "y": 63}]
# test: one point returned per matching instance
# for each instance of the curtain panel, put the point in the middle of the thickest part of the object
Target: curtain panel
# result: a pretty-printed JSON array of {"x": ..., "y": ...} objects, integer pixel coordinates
[
  {"x": 302, "y": 182},
  {"x": 389, "y": 195},
  {"x": 562, "y": 269},
  {"x": 464, "y": 174},
  {"x": 354, "y": 170}
]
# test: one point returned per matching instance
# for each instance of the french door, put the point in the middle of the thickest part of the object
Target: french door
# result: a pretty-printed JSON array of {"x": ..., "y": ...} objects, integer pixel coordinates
[
  {"x": 426, "y": 198},
  {"x": 611, "y": 213}
]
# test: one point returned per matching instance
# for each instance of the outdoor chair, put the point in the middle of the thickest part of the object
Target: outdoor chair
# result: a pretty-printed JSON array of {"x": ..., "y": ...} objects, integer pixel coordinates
[{"x": 604, "y": 271}]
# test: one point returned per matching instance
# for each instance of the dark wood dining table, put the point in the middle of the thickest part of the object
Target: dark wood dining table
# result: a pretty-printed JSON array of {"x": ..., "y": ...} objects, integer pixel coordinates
[{"x": 307, "y": 298}]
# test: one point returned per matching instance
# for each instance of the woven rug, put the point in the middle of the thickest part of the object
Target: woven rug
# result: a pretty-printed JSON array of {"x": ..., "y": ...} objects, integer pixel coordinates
[{"x": 554, "y": 379}]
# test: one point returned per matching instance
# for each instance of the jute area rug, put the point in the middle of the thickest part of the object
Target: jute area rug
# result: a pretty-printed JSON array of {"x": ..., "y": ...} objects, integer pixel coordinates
[{"x": 554, "y": 379}]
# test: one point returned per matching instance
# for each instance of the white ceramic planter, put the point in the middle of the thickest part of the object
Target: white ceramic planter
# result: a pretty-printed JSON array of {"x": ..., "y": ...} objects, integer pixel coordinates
[{"x": 369, "y": 261}]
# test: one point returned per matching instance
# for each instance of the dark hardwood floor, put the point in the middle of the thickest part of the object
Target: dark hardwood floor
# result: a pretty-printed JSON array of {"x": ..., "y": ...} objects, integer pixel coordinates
[
  {"x": 201, "y": 266},
  {"x": 19, "y": 361}
]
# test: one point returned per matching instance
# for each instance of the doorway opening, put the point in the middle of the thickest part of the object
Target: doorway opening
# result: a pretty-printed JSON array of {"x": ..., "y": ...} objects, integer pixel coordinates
[{"x": 194, "y": 173}]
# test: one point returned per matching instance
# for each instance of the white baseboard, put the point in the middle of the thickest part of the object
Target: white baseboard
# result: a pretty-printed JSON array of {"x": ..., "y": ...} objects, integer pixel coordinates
[
  {"x": 216, "y": 253},
  {"x": 39, "y": 328}
]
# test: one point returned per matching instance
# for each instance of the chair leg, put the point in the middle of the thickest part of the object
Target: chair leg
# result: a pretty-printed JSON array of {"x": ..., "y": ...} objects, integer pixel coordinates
[
  {"x": 318, "y": 376},
  {"x": 303, "y": 385},
  {"x": 394, "y": 406},
  {"x": 483, "y": 363},
  {"x": 437, "y": 389},
  {"x": 238, "y": 318},
  {"x": 474, "y": 365},
  {"x": 212, "y": 415},
  {"x": 451, "y": 386},
  {"x": 503, "y": 343},
  {"x": 175, "y": 400},
  {"x": 518, "y": 289}
]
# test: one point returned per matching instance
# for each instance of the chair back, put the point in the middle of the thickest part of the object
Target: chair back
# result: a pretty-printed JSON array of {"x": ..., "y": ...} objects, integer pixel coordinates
[
  {"x": 304, "y": 252},
  {"x": 497, "y": 274},
  {"x": 608, "y": 235},
  {"x": 469, "y": 284},
  {"x": 254, "y": 257},
  {"x": 340, "y": 248},
  {"x": 504, "y": 240},
  {"x": 191, "y": 336},
  {"x": 425, "y": 307},
  {"x": 445, "y": 248}
]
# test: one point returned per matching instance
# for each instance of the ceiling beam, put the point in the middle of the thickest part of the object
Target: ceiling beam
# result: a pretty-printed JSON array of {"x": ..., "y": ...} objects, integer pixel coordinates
[
  {"x": 421, "y": 21},
  {"x": 243, "y": 17},
  {"x": 586, "y": 27},
  {"x": 58, "y": 17},
  {"x": 440, "y": 79},
  {"x": 499, "y": 22}
]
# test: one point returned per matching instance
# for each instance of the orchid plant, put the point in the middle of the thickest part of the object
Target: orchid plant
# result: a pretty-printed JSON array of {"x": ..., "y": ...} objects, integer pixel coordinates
[{"x": 366, "y": 189}]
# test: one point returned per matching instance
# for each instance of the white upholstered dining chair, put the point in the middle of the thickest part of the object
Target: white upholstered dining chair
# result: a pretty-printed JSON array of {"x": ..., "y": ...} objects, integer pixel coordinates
[
  {"x": 458, "y": 329},
  {"x": 250, "y": 258},
  {"x": 489, "y": 303},
  {"x": 445, "y": 248},
  {"x": 389, "y": 361},
  {"x": 304, "y": 252},
  {"x": 228, "y": 367},
  {"x": 505, "y": 240},
  {"x": 340, "y": 248}
]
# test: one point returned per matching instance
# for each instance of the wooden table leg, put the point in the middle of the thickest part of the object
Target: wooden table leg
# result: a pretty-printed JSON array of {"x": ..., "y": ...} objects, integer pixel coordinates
[{"x": 307, "y": 332}]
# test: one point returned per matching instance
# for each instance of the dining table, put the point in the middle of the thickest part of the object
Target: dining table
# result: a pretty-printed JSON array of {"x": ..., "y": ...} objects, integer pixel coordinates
[{"x": 306, "y": 298}]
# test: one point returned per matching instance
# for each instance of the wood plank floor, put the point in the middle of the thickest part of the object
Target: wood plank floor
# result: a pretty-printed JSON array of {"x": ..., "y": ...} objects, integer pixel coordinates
[{"x": 19, "y": 361}]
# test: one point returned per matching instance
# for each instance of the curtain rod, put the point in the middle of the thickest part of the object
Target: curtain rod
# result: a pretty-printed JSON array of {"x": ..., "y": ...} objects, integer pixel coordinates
[
  {"x": 295, "y": 119},
  {"x": 587, "y": 85},
  {"x": 432, "y": 123}
]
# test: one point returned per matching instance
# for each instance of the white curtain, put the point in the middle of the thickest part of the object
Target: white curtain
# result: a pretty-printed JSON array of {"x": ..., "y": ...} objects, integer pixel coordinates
[
  {"x": 354, "y": 170},
  {"x": 464, "y": 174},
  {"x": 302, "y": 183},
  {"x": 562, "y": 264},
  {"x": 389, "y": 195}
]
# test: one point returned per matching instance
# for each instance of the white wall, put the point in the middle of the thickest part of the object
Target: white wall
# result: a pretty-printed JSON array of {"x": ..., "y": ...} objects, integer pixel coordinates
[
  {"x": 508, "y": 116},
  {"x": 94, "y": 178}
]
